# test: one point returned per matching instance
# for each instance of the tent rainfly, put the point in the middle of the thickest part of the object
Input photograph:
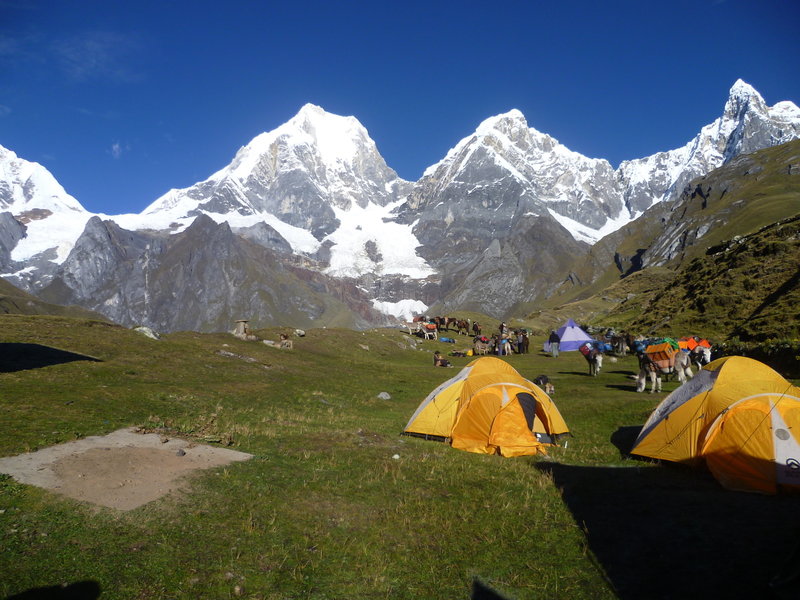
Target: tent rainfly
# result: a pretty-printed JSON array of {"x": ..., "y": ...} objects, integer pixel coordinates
[
  {"x": 489, "y": 408},
  {"x": 739, "y": 417},
  {"x": 572, "y": 337}
]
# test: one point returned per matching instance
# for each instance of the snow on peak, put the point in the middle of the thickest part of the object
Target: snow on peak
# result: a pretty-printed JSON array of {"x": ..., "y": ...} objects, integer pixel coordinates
[
  {"x": 60, "y": 219},
  {"x": 503, "y": 127},
  {"x": 786, "y": 111},
  {"x": 492, "y": 122},
  {"x": 743, "y": 90},
  {"x": 743, "y": 97},
  {"x": 337, "y": 138},
  {"x": 337, "y": 141},
  {"x": 32, "y": 186}
]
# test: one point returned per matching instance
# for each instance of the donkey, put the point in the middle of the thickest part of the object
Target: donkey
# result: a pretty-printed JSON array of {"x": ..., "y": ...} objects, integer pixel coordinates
[
  {"x": 595, "y": 360},
  {"x": 648, "y": 369},
  {"x": 683, "y": 366},
  {"x": 700, "y": 356}
]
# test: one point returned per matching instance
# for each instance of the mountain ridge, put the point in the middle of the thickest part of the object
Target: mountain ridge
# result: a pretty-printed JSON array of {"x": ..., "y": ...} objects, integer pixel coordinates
[{"x": 486, "y": 227}]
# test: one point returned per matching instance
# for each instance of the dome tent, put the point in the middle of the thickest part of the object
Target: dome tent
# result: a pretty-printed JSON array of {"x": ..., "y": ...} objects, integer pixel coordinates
[
  {"x": 739, "y": 417},
  {"x": 572, "y": 337},
  {"x": 489, "y": 408}
]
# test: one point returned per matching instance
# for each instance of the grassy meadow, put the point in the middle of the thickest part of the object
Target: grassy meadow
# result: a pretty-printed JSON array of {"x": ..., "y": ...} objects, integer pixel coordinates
[{"x": 336, "y": 503}]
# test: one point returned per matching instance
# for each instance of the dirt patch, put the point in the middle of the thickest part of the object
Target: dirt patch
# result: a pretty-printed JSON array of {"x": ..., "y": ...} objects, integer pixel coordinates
[{"x": 121, "y": 470}]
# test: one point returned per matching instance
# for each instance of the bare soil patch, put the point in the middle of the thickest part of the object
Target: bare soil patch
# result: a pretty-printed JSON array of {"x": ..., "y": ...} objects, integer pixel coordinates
[{"x": 121, "y": 470}]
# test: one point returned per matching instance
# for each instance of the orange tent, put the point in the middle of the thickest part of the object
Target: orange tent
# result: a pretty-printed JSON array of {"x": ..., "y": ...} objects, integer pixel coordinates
[
  {"x": 489, "y": 408},
  {"x": 739, "y": 417}
]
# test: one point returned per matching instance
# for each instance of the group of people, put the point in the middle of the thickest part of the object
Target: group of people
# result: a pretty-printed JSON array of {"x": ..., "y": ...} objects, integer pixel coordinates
[{"x": 506, "y": 341}]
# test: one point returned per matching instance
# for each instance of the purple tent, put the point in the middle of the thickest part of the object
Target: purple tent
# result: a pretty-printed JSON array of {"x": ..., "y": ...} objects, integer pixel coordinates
[{"x": 572, "y": 337}]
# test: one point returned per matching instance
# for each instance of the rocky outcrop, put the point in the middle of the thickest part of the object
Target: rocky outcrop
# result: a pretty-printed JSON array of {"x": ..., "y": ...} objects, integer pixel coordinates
[{"x": 201, "y": 279}]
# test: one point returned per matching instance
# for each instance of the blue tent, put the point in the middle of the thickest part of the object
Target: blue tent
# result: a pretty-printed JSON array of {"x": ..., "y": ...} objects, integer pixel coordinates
[{"x": 572, "y": 337}]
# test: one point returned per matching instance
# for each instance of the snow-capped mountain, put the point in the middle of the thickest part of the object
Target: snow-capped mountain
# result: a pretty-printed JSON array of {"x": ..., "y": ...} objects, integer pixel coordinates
[
  {"x": 747, "y": 124},
  {"x": 299, "y": 173},
  {"x": 50, "y": 216},
  {"x": 507, "y": 170},
  {"x": 502, "y": 211},
  {"x": 316, "y": 180},
  {"x": 511, "y": 170}
]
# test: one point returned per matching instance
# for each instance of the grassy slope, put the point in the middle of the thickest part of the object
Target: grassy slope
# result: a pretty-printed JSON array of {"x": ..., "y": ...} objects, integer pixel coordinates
[
  {"x": 324, "y": 511},
  {"x": 747, "y": 289}
]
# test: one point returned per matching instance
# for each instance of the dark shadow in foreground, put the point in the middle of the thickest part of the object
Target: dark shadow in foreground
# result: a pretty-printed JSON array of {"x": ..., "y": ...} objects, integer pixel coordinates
[
  {"x": 660, "y": 531},
  {"x": 19, "y": 357},
  {"x": 482, "y": 591},
  {"x": 81, "y": 590}
]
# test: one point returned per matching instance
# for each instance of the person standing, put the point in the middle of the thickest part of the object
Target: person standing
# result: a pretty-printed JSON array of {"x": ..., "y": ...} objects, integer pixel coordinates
[{"x": 555, "y": 342}]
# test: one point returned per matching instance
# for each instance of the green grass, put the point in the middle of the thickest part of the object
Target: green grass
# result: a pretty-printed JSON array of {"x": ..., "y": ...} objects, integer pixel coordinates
[{"x": 324, "y": 510}]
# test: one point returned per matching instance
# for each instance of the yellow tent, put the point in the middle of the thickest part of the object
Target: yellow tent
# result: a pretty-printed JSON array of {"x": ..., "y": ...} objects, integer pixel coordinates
[
  {"x": 489, "y": 408},
  {"x": 740, "y": 417}
]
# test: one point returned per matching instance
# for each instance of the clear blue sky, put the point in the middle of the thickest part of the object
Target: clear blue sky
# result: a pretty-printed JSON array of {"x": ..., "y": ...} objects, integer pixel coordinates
[{"x": 122, "y": 101}]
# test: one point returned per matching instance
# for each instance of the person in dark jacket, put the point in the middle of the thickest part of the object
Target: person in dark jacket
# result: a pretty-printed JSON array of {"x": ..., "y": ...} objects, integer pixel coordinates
[{"x": 555, "y": 342}]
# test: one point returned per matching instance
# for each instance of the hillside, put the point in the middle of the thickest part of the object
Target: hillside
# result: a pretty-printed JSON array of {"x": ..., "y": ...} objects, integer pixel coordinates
[
  {"x": 751, "y": 192},
  {"x": 721, "y": 261},
  {"x": 748, "y": 287},
  {"x": 15, "y": 301}
]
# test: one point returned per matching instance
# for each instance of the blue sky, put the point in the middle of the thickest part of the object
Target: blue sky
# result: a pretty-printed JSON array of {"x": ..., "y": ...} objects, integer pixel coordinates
[{"x": 122, "y": 101}]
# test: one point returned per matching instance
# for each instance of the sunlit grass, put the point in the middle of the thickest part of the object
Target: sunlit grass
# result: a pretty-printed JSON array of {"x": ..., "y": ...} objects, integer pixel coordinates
[{"x": 334, "y": 504}]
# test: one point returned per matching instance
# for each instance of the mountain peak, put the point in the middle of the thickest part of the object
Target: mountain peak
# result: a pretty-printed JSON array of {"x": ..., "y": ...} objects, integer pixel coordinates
[
  {"x": 512, "y": 118},
  {"x": 741, "y": 89},
  {"x": 311, "y": 109},
  {"x": 743, "y": 98}
]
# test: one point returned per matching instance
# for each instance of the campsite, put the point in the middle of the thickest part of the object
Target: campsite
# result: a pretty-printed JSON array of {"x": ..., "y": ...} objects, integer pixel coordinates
[{"x": 334, "y": 502}]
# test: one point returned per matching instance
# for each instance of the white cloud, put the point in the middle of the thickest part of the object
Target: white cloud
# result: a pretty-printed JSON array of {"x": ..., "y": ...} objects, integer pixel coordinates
[
  {"x": 117, "y": 149},
  {"x": 99, "y": 55}
]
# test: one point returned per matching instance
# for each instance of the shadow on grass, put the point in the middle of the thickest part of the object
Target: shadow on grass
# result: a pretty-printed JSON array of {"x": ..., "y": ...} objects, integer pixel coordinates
[
  {"x": 668, "y": 531},
  {"x": 578, "y": 373},
  {"x": 631, "y": 387},
  {"x": 19, "y": 357},
  {"x": 82, "y": 590},
  {"x": 624, "y": 438}
]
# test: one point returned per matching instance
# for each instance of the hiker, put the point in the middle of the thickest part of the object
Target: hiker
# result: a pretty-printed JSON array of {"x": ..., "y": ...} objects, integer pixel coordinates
[
  {"x": 555, "y": 342},
  {"x": 440, "y": 361},
  {"x": 520, "y": 341}
]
